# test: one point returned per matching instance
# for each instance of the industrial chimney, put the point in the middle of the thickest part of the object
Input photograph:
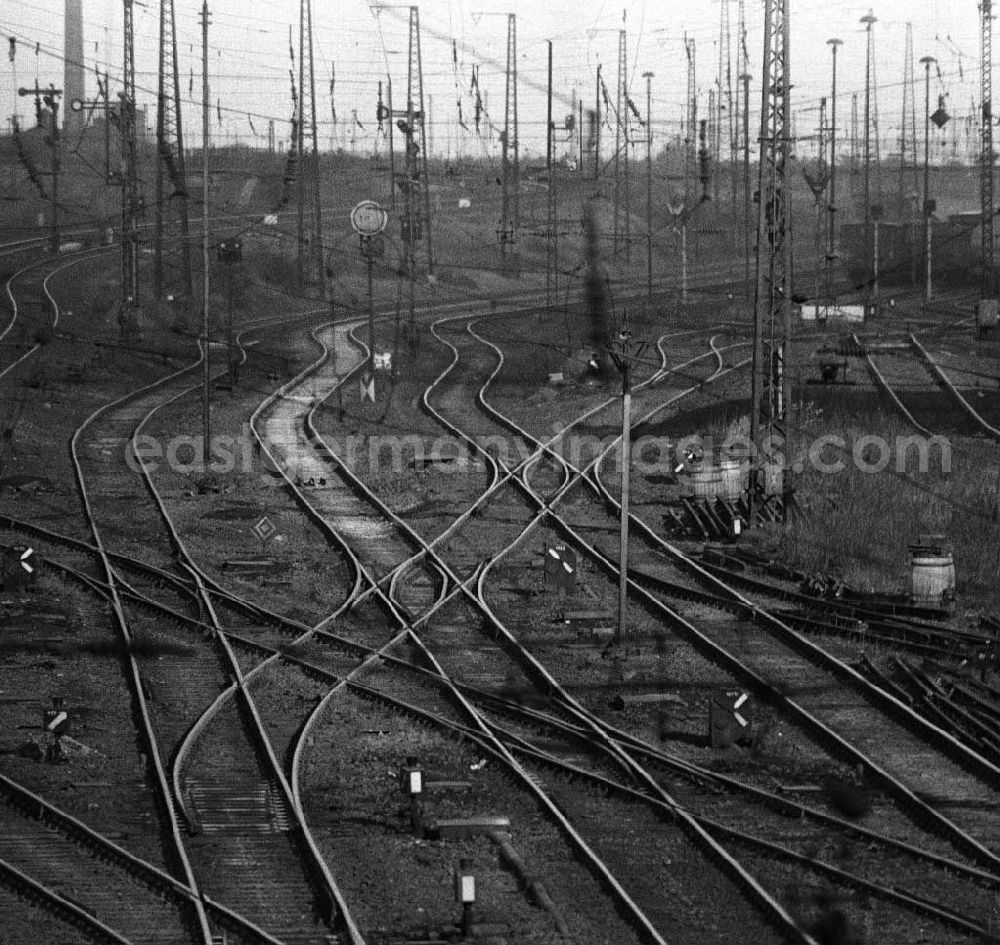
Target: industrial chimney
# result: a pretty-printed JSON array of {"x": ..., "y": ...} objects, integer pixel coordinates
[{"x": 73, "y": 76}]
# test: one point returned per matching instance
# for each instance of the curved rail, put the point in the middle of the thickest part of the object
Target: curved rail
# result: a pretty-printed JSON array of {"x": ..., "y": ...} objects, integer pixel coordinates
[
  {"x": 885, "y": 387},
  {"x": 774, "y": 910},
  {"x": 409, "y": 633},
  {"x": 987, "y": 428},
  {"x": 83, "y": 256}
]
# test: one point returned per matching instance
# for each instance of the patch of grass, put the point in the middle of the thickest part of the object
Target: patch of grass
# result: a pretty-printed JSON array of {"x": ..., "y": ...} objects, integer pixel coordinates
[{"x": 858, "y": 524}]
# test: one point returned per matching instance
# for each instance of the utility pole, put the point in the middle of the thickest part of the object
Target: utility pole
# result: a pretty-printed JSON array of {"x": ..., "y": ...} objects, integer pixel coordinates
[
  {"x": 745, "y": 80},
  {"x": 130, "y": 184},
  {"x": 205, "y": 260},
  {"x": 648, "y": 76},
  {"x": 742, "y": 114},
  {"x": 101, "y": 104},
  {"x": 300, "y": 188},
  {"x": 51, "y": 98},
  {"x": 103, "y": 87},
  {"x": 170, "y": 164},
  {"x": 510, "y": 214},
  {"x": 597, "y": 126},
  {"x": 831, "y": 235},
  {"x": 987, "y": 279},
  {"x": 928, "y": 231},
  {"x": 623, "y": 359},
  {"x": 910, "y": 113},
  {"x": 429, "y": 128},
  {"x": 392, "y": 143},
  {"x": 771, "y": 375},
  {"x": 817, "y": 183},
  {"x": 626, "y": 142},
  {"x": 548, "y": 118},
  {"x": 691, "y": 122},
  {"x": 724, "y": 95},
  {"x": 907, "y": 106},
  {"x": 550, "y": 196},
  {"x": 621, "y": 144},
  {"x": 868, "y": 19},
  {"x": 854, "y": 133}
]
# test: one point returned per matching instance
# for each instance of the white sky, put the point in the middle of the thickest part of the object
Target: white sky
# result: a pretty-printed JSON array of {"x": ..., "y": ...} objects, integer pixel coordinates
[{"x": 249, "y": 59}]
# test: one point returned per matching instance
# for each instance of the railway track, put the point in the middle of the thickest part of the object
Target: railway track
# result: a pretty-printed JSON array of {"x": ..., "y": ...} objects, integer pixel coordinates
[
  {"x": 225, "y": 780},
  {"x": 582, "y": 543},
  {"x": 690, "y": 782},
  {"x": 429, "y": 637},
  {"x": 921, "y": 390},
  {"x": 414, "y": 595},
  {"x": 100, "y": 443},
  {"x": 28, "y": 331}
]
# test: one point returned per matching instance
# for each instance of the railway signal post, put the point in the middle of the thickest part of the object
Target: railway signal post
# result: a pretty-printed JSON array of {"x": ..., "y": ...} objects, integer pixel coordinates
[
  {"x": 369, "y": 220},
  {"x": 623, "y": 359},
  {"x": 51, "y": 98},
  {"x": 230, "y": 252}
]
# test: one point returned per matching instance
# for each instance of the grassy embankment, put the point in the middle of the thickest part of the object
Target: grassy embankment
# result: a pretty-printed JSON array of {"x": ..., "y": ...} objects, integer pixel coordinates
[{"x": 858, "y": 524}]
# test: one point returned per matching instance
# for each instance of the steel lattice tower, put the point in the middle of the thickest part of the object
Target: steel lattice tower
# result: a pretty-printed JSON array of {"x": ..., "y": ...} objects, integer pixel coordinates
[
  {"x": 868, "y": 19},
  {"x": 771, "y": 382},
  {"x": 309, "y": 91},
  {"x": 130, "y": 183},
  {"x": 691, "y": 125},
  {"x": 305, "y": 131},
  {"x": 910, "y": 142},
  {"x": 510, "y": 210},
  {"x": 417, "y": 223},
  {"x": 621, "y": 149},
  {"x": 724, "y": 98},
  {"x": 987, "y": 288},
  {"x": 908, "y": 135},
  {"x": 172, "y": 204}
]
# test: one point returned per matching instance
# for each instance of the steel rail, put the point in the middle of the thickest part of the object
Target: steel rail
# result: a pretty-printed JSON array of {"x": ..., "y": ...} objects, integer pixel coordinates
[
  {"x": 885, "y": 701},
  {"x": 776, "y": 913},
  {"x": 89, "y": 924},
  {"x": 678, "y": 766},
  {"x": 638, "y": 916},
  {"x": 85, "y": 255},
  {"x": 959, "y": 837},
  {"x": 140, "y": 869},
  {"x": 239, "y": 687},
  {"x": 882, "y": 384},
  {"x": 936, "y": 369}
]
